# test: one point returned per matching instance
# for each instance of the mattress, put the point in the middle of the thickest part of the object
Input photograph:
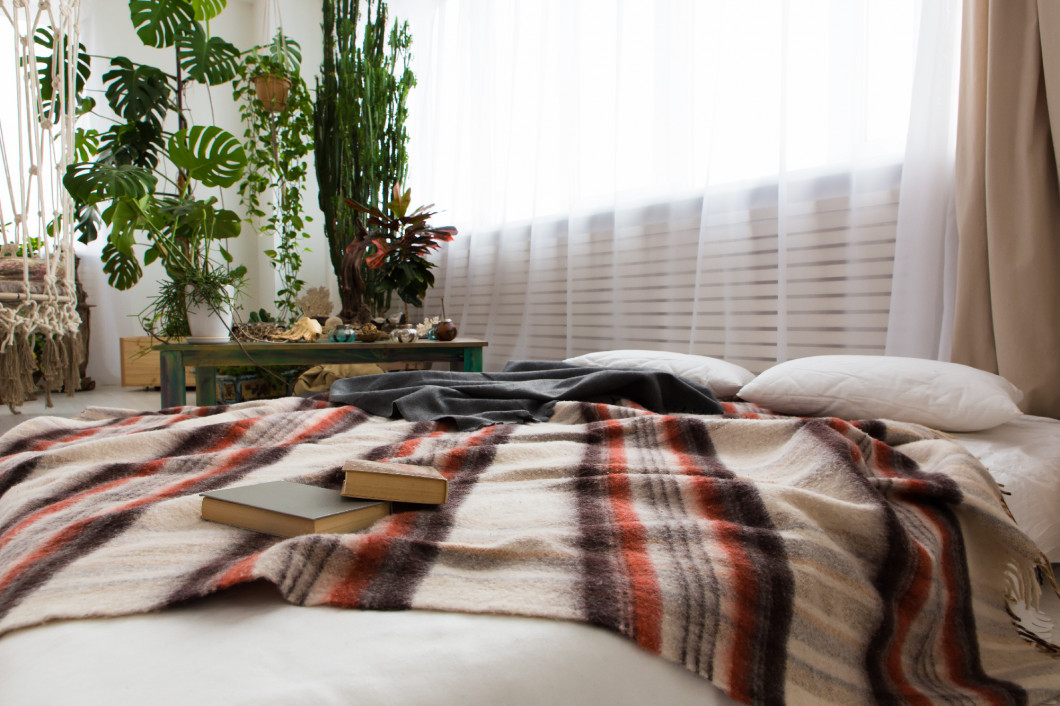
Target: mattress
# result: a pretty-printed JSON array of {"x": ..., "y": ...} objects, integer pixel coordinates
[
  {"x": 246, "y": 645},
  {"x": 1024, "y": 457}
]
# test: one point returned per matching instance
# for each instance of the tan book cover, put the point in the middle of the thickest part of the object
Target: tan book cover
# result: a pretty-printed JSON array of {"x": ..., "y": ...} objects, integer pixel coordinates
[
  {"x": 288, "y": 509},
  {"x": 399, "y": 482}
]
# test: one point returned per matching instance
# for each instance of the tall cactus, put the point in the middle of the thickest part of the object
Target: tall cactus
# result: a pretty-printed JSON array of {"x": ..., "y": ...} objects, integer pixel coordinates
[{"x": 360, "y": 135}]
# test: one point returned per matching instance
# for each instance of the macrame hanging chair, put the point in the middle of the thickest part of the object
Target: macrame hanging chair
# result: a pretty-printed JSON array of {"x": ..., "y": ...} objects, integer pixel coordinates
[{"x": 40, "y": 340}]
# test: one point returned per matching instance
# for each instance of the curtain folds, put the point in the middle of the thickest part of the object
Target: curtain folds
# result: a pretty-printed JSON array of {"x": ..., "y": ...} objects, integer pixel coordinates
[
  {"x": 1008, "y": 197},
  {"x": 708, "y": 177}
]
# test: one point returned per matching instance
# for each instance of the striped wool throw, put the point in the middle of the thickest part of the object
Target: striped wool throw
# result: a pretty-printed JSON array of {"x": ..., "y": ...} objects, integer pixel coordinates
[{"x": 786, "y": 560}]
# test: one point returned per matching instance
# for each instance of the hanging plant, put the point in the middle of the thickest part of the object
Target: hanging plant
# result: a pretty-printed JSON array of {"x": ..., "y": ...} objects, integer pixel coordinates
[{"x": 278, "y": 139}]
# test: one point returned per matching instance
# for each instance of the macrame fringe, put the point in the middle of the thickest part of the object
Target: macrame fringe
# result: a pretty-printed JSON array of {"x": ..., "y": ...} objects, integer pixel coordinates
[{"x": 59, "y": 367}]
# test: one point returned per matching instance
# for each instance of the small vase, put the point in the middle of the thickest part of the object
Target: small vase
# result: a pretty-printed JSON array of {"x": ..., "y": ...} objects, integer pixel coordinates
[
  {"x": 343, "y": 334},
  {"x": 209, "y": 326},
  {"x": 445, "y": 331},
  {"x": 405, "y": 335}
]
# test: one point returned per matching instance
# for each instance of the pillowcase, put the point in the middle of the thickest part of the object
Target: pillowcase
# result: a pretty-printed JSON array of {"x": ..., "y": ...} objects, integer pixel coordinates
[
  {"x": 724, "y": 379},
  {"x": 946, "y": 396}
]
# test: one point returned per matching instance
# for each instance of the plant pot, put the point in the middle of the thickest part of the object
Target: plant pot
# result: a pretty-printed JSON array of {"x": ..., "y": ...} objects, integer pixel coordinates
[
  {"x": 272, "y": 91},
  {"x": 207, "y": 325}
]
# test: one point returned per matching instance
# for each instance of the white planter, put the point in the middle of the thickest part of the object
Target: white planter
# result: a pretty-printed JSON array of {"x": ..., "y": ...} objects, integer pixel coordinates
[{"x": 206, "y": 325}]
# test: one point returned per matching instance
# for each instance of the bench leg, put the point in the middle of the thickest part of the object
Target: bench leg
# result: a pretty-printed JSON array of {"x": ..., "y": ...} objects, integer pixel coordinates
[{"x": 172, "y": 382}]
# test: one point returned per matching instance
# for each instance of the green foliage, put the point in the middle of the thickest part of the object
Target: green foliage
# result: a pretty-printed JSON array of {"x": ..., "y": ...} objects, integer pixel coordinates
[
  {"x": 261, "y": 316},
  {"x": 124, "y": 178},
  {"x": 48, "y": 70},
  {"x": 278, "y": 145},
  {"x": 360, "y": 118},
  {"x": 400, "y": 244}
]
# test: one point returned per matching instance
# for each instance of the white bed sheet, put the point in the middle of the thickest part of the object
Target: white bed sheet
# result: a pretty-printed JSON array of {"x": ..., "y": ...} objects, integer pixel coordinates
[
  {"x": 246, "y": 646},
  {"x": 1024, "y": 457}
]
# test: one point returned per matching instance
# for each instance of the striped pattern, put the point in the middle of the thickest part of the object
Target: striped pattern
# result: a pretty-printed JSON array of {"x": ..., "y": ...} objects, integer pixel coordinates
[{"x": 786, "y": 560}]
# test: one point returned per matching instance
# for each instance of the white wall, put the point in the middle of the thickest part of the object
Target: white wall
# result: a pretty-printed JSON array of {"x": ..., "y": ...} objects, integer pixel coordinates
[{"x": 107, "y": 30}]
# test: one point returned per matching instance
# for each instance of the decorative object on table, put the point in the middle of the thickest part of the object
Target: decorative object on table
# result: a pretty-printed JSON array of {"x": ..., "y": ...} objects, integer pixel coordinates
[
  {"x": 405, "y": 334},
  {"x": 315, "y": 302},
  {"x": 445, "y": 330},
  {"x": 360, "y": 136},
  {"x": 343, "y": 333},
  {"x": 426, "y": 329},
  {"x": 139, "y": 178},
  {"x": 305, "y": 329},
  {"x": 277, "y": 110},
  {"x": 370, "y": 333}
]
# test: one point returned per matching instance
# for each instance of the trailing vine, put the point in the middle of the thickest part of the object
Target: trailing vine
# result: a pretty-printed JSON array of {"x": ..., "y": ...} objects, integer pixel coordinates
[{"x": 277, "y": 145}]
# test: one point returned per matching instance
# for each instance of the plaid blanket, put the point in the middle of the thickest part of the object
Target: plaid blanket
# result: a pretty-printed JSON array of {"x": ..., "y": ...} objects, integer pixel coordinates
[{"x": 786, "y": 560}]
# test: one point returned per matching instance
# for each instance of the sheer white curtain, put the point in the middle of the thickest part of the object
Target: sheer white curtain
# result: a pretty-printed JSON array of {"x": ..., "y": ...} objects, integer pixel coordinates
[{"x": 711, "y": 177}]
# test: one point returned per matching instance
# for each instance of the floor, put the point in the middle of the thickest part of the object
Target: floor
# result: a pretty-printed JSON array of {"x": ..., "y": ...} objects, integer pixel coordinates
[{"x": 102, "y": 396}]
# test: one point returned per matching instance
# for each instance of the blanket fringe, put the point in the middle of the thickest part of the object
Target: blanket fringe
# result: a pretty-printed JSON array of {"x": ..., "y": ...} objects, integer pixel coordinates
[{"x": 1023, "y": 587}]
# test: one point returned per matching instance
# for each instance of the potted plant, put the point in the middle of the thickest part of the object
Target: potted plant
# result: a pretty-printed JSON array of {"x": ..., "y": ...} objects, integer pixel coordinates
[
  {"x": 277, "y": 145},
  {"x": 360, "y": 135},
  {"x": 396, "y": 246},
  {"x": 141, "y": 178}
]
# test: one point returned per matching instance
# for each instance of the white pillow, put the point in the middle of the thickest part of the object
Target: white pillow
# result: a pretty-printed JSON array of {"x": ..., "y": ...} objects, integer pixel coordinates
[
  {"x": 945, "y": 396},
  {"x": 724, "y": 379}
]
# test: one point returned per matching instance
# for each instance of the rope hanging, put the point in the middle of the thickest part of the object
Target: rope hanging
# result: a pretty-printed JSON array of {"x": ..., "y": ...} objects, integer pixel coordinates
[{"x": 39, "y": 323}]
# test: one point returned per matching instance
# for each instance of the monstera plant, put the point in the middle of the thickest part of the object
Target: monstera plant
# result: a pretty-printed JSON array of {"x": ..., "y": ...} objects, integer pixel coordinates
[{"x": 140, "y": 177}]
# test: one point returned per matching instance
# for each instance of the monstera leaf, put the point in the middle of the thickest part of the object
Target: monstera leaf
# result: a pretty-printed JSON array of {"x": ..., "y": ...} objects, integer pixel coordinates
[
  {"x": 86, "y": 144},
  {"x": 137, "y": 92},
  {"x": 123, "y": 271},
  {"x": 91, "y": 183},
  {"x": 51, "y": 100},
  {"x": 159, "y": 23},
  {"x": 209, "y": 60},
  {"x": 207, "y": 9},
  {"x": 134, "y": 143},
  {"x": 209, "y": 154}
]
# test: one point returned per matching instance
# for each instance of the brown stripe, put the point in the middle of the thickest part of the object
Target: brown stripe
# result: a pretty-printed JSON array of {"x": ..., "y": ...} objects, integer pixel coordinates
[
  {"x": 203, "y": 580},
  {"x": 603, "y": 588},
  {"x": 410, "y": 558}
]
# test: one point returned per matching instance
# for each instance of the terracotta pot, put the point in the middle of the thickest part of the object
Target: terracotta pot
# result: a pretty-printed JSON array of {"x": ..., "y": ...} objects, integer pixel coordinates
[{"x": 272, "y": 91}]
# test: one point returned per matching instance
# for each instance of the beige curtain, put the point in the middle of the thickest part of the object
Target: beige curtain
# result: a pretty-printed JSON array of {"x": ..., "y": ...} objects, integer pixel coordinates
[{"x": 1008, "y": 197}]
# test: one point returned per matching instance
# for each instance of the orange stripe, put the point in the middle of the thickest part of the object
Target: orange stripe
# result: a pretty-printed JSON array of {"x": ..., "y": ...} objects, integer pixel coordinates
[
  {"x": 742, "y": 582},
  {"x": 242, "y": 570},
  {"x": 908, "y": 608},
  {"x": 644, "y": 584},
  {"x": 147, "y": 469},
  {"x": 369, "y": 553}
]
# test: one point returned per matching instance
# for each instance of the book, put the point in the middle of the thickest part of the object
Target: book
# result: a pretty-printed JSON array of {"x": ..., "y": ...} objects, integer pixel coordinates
[
  {"x": 288, "y": 509},
  {"x": 399, "y": 482}
]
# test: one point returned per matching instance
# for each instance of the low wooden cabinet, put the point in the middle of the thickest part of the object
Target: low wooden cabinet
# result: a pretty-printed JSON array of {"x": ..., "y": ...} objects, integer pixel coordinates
[{"x": 140, "y": 366}]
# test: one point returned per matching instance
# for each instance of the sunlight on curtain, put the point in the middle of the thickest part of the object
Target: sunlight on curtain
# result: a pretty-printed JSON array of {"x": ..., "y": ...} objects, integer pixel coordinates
[{"x": 711, "y": 177}]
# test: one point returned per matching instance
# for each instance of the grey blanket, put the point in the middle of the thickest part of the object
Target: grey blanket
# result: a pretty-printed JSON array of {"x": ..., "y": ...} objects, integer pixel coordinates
[{"x": 524, "y": 391}]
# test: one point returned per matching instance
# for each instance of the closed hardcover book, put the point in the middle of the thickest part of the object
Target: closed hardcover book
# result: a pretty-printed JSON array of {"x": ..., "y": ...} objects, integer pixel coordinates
[
  {"x": 288, "y": 509},
  {"x": 399, "y": 482}
]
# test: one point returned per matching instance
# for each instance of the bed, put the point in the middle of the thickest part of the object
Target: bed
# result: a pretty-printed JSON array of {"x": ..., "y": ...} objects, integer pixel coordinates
[{"x": 615, "y": 552}]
